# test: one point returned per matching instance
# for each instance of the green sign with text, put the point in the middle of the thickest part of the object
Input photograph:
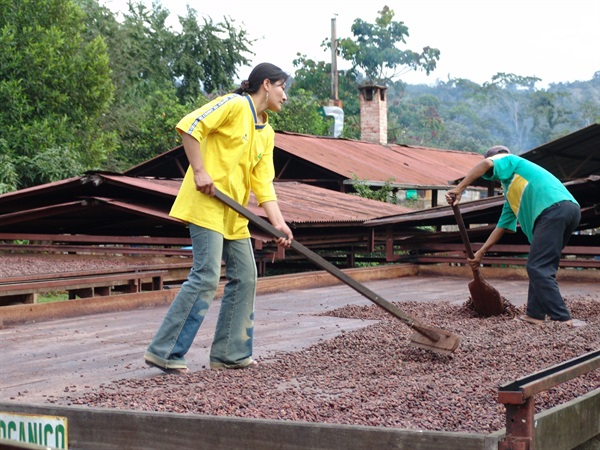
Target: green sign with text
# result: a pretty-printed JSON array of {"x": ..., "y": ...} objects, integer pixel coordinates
[{"x": 50, "y": 431}]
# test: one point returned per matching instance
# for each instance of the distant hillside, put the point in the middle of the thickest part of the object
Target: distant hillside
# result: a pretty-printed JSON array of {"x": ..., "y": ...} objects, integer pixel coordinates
[{"x": 463, "y": 115}]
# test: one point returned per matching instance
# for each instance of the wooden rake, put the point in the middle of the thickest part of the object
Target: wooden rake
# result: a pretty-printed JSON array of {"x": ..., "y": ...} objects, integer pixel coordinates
[{"x": 425, "y": 336}]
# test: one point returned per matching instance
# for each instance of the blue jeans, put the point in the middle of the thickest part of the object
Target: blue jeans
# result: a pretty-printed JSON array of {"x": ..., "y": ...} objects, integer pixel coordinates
[
  {"x": 551, "y": 233},
  {"x": 232, "y": 343}
]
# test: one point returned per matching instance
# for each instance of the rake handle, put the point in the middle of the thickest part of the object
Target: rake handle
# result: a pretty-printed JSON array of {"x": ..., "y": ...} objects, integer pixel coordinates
[
  {"x": 465, "y": 237},
  {"x": 326, "y": 265}
]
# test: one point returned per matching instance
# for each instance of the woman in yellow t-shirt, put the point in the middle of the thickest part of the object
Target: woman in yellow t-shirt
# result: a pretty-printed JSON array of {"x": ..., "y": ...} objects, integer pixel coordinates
[{"x": 229, "y": 145}]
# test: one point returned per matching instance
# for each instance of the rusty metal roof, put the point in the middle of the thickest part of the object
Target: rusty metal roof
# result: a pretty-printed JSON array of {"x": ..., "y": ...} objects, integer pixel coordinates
[
  {"x": 299, "y": 203},
  {"x": 305, "y": 204},
  {"x": 487, "y": 210},
  {"x": 104, "y": 203},
  {"x": 574, "y": 156},
  {"x": 137, "y": 202},
  {"x": 340, "y": 160},
  {"x": 406, "y": 165},
  {"x": 571, "y": 157}
]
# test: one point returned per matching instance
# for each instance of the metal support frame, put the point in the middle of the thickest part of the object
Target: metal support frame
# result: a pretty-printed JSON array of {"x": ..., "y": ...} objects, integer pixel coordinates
[
  {"x": 518, "y": 397},
  {"x": 519, "y": 426}
]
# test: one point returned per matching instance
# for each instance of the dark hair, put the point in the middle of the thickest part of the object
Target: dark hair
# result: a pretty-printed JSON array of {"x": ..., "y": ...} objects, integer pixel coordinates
[
  {"x": 259, "y": 74},
  {"x": 492, "y": 151}
]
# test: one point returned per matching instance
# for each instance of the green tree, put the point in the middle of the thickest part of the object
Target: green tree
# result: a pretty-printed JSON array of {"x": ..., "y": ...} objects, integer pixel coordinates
[
  {"x": 547, "y": 115},
  {"x": 161, "y": 74},
  {"x": 54, "y": 87},
  {"x": 207, "y": 57},
  {"x": 374, "y": 49},
  {"x": 579, "y": 103},
  {"x": 145, "y": 123},
  {"x": 444, "y": 116},
  {"x": 313, "y": 79},
  {"x": 385, "y": 193},
  {"x": 415, "y": 122},
  {"x": 300, "y": 114},
  {"x": 509, "y": 94}
]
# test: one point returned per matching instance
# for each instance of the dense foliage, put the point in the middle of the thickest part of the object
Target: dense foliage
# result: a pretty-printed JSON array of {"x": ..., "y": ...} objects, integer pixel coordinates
[
  {"x": 161, "y": 74},
  {"x": 82, "y": 88},
  {"x": 374, "y": 49},
  {"x": 54, "y": 88},
  {"x": 508, "y": 110}
]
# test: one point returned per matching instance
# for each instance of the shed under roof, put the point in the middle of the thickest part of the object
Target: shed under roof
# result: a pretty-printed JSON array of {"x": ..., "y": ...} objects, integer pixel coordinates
[
  {"x": 487, "y": 210},
  {"x": 137, "y": 203},
  {"x": 113, "y": 204}
]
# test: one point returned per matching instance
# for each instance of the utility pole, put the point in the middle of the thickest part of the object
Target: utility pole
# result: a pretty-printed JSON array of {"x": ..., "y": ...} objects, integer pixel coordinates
[
  {"x": 334, "y": 71},
  {"x": 334, "y": 105}
]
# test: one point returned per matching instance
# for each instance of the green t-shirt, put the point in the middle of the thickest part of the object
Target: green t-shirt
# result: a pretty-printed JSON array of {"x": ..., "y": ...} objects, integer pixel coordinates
[{"x": 528, "y": 188}]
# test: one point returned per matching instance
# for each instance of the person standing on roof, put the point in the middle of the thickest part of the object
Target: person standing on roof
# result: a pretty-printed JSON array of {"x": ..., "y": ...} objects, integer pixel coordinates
[
  {"x": 229, "y": 145},
  {"x": 548, "y": 215}
]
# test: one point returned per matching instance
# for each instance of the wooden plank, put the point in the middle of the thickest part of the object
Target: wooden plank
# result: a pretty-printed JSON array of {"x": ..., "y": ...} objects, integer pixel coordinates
[
  {"x": 101, "y": 428},
  {"x": 92, "y": 249},
  {"x": 570, "y": 424},
  {"x": 507, "y": 261},
  {"x": 14, "y": 314},
  {"x": 95, "y": 239},
  {"x": 503, "y": 248}
]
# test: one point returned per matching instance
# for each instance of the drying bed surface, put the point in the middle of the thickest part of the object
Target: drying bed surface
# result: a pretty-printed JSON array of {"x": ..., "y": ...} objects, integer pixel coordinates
[
  {"x": 375, "y": 377},
  {"x": 22, "y": 265}
]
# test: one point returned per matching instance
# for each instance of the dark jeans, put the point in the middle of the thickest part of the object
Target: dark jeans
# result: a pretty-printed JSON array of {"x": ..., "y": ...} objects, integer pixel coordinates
[{"x": 551, "y": 232}]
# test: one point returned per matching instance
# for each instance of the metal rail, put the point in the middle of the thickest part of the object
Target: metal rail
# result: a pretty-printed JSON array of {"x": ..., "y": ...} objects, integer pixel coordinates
[{"x": 82, "y": 286}]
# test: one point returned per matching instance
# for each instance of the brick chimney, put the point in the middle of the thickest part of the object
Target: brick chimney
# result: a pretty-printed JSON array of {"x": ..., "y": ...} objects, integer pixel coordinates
[{"x": 373, "y": 114}]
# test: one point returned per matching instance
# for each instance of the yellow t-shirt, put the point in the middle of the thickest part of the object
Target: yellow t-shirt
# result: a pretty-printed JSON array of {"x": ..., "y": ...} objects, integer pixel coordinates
[{"x": 237, "y": 154}]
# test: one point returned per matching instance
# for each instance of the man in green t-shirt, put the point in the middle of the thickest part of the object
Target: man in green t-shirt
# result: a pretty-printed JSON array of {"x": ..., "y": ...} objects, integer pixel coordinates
[{"x": 546, "y": 212}]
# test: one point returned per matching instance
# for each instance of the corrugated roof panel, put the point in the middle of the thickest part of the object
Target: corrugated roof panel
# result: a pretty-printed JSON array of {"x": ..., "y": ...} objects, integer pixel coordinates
[
  {"x": 167, "y": 187},
  {"x": 302, "y": 203},
  {"x": 487, "y": 210},
  {"x": 574, "y": 156},
  {"x": 368, "y": 161},
  {"x": 299, "y": 202},
  {"x": 433, "y": 166},
  {"x": 35, "y": 191},
  {"x": 375, "y": 162}
]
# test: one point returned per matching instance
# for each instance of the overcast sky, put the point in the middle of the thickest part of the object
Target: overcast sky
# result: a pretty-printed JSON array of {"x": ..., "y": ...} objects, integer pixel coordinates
[{"x": 555, "y": 40}]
